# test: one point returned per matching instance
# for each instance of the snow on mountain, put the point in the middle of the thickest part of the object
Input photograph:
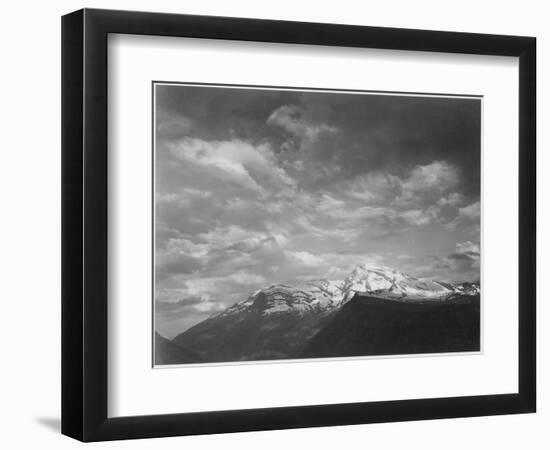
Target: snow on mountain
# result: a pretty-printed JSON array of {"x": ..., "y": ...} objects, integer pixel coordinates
[
  {"x": 466, "y": 288},
  {"x": 318, "y": 296},
  {"x": 390, "y": 283},
  {"x": 308, "y": 296}
]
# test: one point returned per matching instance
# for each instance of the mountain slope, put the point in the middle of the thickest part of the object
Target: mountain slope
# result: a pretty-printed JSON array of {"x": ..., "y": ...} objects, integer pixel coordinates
[
  {"x": 312, "y": 296},
  {"x": 254, "y": 333},
  {"x": 166, "y": 352},
  {"x": 374, "y": 326}
]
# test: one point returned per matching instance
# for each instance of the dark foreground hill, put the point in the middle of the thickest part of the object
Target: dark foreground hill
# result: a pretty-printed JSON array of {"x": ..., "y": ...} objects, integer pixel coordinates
[
  {"x": 166, "y": 352},
  {"x": 374, "y": 326}
]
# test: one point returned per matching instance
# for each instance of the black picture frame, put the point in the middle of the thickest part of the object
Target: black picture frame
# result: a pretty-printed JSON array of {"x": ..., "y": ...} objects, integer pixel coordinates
[{"x": 84, "y": 224}]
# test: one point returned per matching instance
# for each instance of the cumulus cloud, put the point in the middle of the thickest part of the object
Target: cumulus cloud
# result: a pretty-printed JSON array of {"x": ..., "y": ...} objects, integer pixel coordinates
[
  {"x": 376, "y": 188},
  {"x": 384, "y": 201},
  {"x": 253, "y": 167},
  {"x": 422, "y": 186},
  {"x": 468, "y": 219},
  {"x": 470, "y": 212},
  {"x": 438, "y": 176},
  {"x": 426, "y": 184}
]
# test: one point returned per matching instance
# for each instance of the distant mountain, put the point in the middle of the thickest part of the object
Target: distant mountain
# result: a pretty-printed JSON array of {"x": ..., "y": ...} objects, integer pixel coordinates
[
  {"x": 279, "y": 321},
  {"x": 166, "y": 352}
]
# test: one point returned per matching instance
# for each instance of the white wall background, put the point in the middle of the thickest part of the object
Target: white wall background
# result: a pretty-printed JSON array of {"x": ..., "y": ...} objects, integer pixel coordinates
[{"x": 30, "y": 225}]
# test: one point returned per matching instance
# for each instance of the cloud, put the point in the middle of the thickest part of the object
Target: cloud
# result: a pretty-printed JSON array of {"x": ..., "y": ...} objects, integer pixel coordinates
[
  {"x": 172, "y": 125},
  {"x": 415, "y": 217},
  {"x": 453, "y": 199},
  {"x": 267, "y": 233},
  {"x": 424, "y": 196},
  {"x": 173, "y": 317},
  {"x": 305, "y": 258},
  {"x": 375, "y": 188},
  {"x": 461, "y": 265},
  {"x": 176, "y": 263},
  {"x": 291, "y": 119},
  {"x": 466, "y": 259},
  {"x": 468, "y": 247},
  {"x": 438, "y": 175},
  {"x": 468, "y": 219},
  {"x": 427, "y": 183},
  {"x": 470, "y": 212},
  {"x": 237, "y": 161}
]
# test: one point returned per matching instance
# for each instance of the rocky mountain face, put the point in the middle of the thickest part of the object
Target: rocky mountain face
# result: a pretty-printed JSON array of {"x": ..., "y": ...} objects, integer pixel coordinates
[
  {"x": 283, "y": 321},
  {"x": 314, "y": 296}
]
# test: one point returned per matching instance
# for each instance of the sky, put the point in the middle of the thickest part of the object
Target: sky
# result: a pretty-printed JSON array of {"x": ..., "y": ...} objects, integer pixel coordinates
[{"x": 256, "y": 186}]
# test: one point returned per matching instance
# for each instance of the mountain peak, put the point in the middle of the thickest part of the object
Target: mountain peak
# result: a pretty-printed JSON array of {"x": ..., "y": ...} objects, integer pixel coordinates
[
  {"x": 386, "y": 271},
  {"x": 377, "y": 279}
]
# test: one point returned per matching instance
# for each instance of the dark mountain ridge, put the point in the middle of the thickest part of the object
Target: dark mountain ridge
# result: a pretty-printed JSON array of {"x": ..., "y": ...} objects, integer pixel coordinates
[{"x": 368, "y": 326}]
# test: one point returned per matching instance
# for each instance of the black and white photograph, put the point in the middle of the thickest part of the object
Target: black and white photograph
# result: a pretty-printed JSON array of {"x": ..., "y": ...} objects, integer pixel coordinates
[
  {"x": 295, "y": 223},
  {"x": 275, "y": 225}
]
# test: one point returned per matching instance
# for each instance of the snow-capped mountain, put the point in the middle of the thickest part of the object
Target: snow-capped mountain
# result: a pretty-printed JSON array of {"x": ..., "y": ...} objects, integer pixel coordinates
[
  {"x": 279, "y": 321},
  {"x": 309, "y": 296},
  {"x": 325, "y": 295},
  {"x": 390, "y": 283}
]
